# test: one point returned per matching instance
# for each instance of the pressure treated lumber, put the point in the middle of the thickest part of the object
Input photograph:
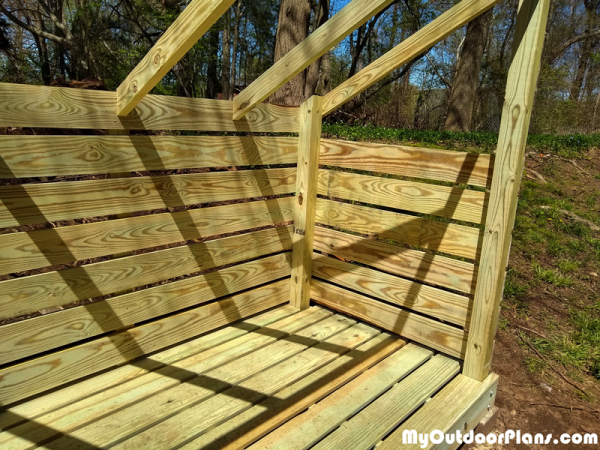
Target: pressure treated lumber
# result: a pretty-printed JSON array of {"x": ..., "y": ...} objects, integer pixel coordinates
[
  {"x": 453, "y": 409},
  {"x": 514, "y": 127},
  {"x": 52, "y": 246},
  {"x": 306, "y": 201},
  {"x": 424, "y": 299},
  {"x": 424, "y": 233},
  {"x": 307, "y": 429},
  {"x": 25, "y": 295},
  {"x": 51, "y": 202},
  {"x": 38, "y": 156},
  {"x": 442, "y": 337},
  {"x": 55, "y": 107},
  {"x": 245, "y": 428},
  {"x": 53, "y": 370},
  {"x": 432, "y": 269},
  {"x": 443, "y": 201},
  {"x": 38, "y": 334},
  {"x": 321, "y": 40},
  {"x": 192, "y": 422},
  {"x": 416, "y": 162},
  {"x": 366, "y": 429},
  {"x": 421, "y": 41},
  {"x": 124, "y": 399},
  {"x": 71, "y": 395},
  {"x": 162, "y": 409},
  {"x": 195, "y": 20}
]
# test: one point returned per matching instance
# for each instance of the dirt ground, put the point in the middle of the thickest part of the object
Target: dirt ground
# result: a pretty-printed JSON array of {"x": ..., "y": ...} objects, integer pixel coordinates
[{"x": 539, "y": 391}]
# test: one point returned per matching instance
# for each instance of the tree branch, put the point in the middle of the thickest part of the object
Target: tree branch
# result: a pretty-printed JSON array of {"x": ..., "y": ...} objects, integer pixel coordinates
[{"x": 34, "y": 30}]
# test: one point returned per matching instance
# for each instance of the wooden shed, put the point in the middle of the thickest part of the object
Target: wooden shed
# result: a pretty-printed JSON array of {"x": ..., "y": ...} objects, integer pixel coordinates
[{"x": 326, "y": 294}]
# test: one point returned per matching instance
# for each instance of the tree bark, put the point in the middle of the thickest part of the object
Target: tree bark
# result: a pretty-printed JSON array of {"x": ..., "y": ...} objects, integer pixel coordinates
[
  {"x": 320, "y": 16},
  {"x": 292, "y": 28},
  {"x": 236, "y": 36},
  {"x": 225, "y": 65},
  {"x": 464, "y": 86},
  {"x": 212, "y": 80},
  {"x": 586, "y": 49}
]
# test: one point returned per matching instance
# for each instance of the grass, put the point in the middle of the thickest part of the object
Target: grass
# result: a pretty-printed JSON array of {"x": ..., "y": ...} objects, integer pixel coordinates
[{"x": 552, "y": 276}]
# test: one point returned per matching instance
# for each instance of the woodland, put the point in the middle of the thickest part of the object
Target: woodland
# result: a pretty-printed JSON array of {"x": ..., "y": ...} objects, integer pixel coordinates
[{"x": 458, "y": 85}]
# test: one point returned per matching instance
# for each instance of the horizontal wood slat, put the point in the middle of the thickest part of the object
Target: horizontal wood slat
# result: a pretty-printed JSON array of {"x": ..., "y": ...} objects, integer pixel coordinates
[
  {"x": 443, "y": 201},
  {"x": 39, "y": 334},
  {"x": 433, "y": 269},
  {"x": 415, "y": 162},
  {"x": 52, "y": 246},
  {"x": 50, "y": 202},
  {"x": 34, "y": 293},
  {"x": 37, "y": 156},
  {"x": 53, "y": 370},
  {"x": 55, "y": 107},
  {"x": 425, "y": 299},
  {"x": 439, "y": 336},
  {"x": 442, "y": 237}
]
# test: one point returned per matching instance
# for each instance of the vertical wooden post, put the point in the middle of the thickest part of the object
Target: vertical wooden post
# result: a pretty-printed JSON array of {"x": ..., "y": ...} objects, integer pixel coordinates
[
  {"x": 508, "y": 170},
  {"x": 311, "y": 113}
]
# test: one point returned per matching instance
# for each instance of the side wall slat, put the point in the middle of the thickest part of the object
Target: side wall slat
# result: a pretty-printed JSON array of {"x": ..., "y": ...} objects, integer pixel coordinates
[
  {"x": 49, "y": 202},
  {"x": 52, "y": 246},
  {"x": 38, "y": 156},
  {"x": 444, "y": 338},
  {"x": 416, "y": 162},
  {"x": 39, "y": 334},
  {"x": 55, "y": 107},
  {"x": 56, "y": 369}
]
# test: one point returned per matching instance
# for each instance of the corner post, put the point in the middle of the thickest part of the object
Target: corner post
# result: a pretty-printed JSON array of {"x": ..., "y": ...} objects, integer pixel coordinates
[
  {"x": 508, "y": 170},
  {"x": 309, "y": 142}
]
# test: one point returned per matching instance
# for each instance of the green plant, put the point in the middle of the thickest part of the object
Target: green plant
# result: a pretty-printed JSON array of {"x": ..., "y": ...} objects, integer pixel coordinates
[
  {"x": 534, "y": 364},
  {"x": 567, "y": 265},
  {"x": 552, "y": 276}
]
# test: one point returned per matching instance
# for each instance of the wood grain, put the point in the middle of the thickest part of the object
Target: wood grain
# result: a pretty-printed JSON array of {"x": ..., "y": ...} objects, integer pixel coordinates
[
  {"x": 195, "y": 20},
  {"x": 52, "y": 246},
  {"x": 443, "y": 201},
  {"x": 422, "y": 40},
  {"x": 55, "y": 107},
  {"x": 30, "y": 337},
  {"x": 510, "y": 157},
  {"x": 51, "y": 202},
  {"x": 432, "y": 269},
  {"x": 306, "y": 201},
  {"x": 425, "y": 299},
  {"x": 321, "y": 40},
  {"x": 25, "y": 295},
  {"x": 53, "y": 370},
  {"x": 416, "y": 162},
  {"x": 37, "y": 156},
  {"x": 442, "y": 337},
  {"x": 245, "y": 428},
  {"x": 441, "y": 237}
]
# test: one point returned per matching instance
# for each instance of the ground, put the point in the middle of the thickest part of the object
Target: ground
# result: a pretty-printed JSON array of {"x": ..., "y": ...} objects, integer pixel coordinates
[{"x": 550, "y": 318}]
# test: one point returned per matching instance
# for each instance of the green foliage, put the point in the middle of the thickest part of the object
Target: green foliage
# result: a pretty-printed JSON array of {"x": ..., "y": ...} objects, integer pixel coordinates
[{"x": 552, "y": 276}]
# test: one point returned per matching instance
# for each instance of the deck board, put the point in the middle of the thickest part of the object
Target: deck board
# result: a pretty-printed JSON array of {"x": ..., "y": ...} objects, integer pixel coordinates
[{"x": 284, "y": 379}]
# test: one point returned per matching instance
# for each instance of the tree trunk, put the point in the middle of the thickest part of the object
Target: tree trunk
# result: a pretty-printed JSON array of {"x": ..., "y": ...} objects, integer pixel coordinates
[
  {"x": 212, "y": 80},
  {"x": 320, "y": 16},
  {"x": 325, "y": 81},
  {"x": 225, "y": 66},
  {"x": 236, "y": 36},
  {"x": 292, "y": 28},
  {"x": 586, "y": 50},
  {"x": 464, "y": 87}
]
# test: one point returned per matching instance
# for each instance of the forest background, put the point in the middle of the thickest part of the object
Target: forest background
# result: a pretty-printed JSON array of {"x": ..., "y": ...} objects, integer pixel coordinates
[{"x": 458, "y": 85}]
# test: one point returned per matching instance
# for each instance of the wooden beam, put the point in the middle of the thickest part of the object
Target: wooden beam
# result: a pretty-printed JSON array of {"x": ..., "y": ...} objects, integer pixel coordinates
[
  {"x": 422, "y": 40},
  {"x": 353, "y": 15},
  {"x": 306, "y": 201},
  {"x": 514, "y": 127},
  {"x": 192, "y": 23}
]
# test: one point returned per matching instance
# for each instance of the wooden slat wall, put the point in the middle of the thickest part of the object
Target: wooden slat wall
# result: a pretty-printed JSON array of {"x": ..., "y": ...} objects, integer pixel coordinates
[
  {"x": 443, "y": 201},
  {"x": 26, "y": 295},
  {"x": 433, "y": 269},
  {"x": 50, "y": 202},
  {"x": 54, "y": 107},
  {"x": 29, "y": 337},
  {"x": 442, "y": 237},
  {"x": 29, "y": 378},
  {"x": 442, "y": 337},
  {"x": 416, "y": 162},
  {"x": 37, "y": 156},
  {"x": 35, "y": 249}
]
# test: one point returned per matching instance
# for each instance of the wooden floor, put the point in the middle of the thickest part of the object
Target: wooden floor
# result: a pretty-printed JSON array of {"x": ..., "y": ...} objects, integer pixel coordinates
[{"x": 343, "y": 384}]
